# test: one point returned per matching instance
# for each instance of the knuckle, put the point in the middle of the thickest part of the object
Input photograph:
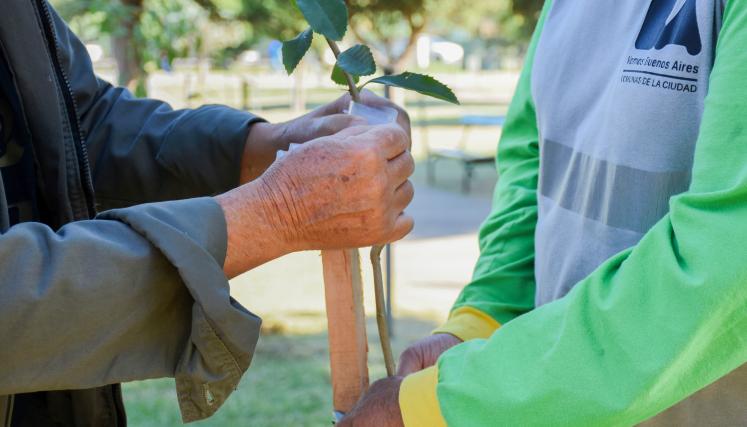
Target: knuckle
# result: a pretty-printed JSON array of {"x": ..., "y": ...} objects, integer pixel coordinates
[
  {"x": 409, "y": 190},
  {"x": 369, "y": 155},
  {"x": 410, "y": 164},
  {"x": 398, "y": 135}
]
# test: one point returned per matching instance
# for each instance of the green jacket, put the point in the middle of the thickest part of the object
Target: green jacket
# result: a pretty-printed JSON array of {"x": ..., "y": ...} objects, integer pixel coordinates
[{"x": 649, "y": 327}]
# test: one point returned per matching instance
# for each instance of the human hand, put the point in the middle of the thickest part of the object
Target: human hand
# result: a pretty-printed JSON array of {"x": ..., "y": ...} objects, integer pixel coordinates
[
  {"x": 341, "y": 191},
  {"x": 425, "y": 352},
  {"x": 379, "y": 407},
  {"x": 266, "y": 139}
]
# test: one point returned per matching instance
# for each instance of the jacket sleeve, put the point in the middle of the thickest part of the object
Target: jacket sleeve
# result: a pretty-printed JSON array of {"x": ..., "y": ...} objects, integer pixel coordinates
[
  {"x": 136, "y": 293},
  {"x": 652, "y": 325},
  {"x": 503, "y": 286},
  {"x": 141, "y": 150}
]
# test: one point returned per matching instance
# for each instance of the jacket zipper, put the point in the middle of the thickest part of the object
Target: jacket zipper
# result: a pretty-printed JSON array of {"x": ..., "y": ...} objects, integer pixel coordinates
[
  {"x": 71, "y": 107},
  {"x": 8, "y": 410}
]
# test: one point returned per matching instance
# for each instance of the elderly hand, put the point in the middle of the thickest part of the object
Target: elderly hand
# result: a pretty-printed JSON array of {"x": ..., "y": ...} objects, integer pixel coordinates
[
  {"x": 265, "y": 139},
  {"x": 347, "y": 190},
  {"x": 425, "y": 353},
  {"x": 379, "y": 407}
]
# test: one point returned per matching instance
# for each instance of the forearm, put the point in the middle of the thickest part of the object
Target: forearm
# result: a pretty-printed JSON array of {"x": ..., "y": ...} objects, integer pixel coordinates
[
  {"x": 255, "y": 233},
  {"x": 137, "y": 293},
  {"x": 142, "y": 151},
  {"x": 503, "y": 285}
]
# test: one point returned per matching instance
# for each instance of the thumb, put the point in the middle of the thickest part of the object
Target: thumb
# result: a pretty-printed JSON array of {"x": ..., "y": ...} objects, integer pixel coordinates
[
  {"x": 410, "y": 361},
  {"x": 333, "y": 124}
]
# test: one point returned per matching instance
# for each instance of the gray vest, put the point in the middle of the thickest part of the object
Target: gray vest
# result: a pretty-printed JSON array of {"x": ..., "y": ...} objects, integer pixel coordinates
[{"x": 619, "y": 101}]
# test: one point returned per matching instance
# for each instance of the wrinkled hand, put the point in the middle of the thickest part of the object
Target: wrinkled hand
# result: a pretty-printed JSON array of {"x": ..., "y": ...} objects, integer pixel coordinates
[
  {"x": 265, "y": 139},
  {"x": 379, "y": 407},
  {"x": 344, "y": 191},
  {"x": 347, "y": 190},
  {"x": 425, "y": 353}
]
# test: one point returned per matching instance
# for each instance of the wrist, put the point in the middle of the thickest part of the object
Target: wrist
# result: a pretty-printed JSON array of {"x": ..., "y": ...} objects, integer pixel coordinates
[
  {"x": 255, "y": 235},
  {"x": 262, "y": 144},
  {"x": 468, "y": 323}
]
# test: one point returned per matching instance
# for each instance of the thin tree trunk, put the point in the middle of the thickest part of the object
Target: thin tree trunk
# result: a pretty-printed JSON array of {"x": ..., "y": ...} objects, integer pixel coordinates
[{"x": 126, "y": 51}]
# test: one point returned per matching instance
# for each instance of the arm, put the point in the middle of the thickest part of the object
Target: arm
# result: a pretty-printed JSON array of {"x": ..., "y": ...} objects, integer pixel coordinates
[
  {"x": 141, "y": 150},
  {"x": 502, "y": 286},
  {"x": 142, "y": 292},
  {"x": 652, "y": 325},
  {"x": 134, "y": 294}
]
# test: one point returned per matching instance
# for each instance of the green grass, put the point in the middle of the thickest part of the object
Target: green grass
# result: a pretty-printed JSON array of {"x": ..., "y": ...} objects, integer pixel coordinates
[{"x": 288, "y": 384}]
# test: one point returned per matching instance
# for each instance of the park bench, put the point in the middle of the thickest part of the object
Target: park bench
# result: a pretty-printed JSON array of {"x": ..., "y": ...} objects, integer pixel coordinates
[{"x": 461, "y": 153}]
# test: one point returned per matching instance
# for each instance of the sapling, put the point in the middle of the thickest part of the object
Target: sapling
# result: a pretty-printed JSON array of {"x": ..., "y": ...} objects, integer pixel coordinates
[{"x": 329, "y": 19}]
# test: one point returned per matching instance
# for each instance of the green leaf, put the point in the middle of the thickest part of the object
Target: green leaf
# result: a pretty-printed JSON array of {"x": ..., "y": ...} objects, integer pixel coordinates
[
  {"x": 338, "y": 76},
  {"x": 420, "y": 83},
  {"x": 357, "y": 61},
  {"x": 327, "y": 17},
  {"x": 294, "y": 50}
]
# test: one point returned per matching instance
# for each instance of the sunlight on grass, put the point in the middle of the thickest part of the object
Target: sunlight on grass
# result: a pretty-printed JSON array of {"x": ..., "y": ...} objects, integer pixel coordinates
[{"x": 288, "y": 384}]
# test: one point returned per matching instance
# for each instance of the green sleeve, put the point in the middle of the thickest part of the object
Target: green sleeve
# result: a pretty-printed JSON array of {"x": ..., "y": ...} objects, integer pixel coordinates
[
  {"x": 503, "y": 282},
  {"x": 652, "y": 325}
]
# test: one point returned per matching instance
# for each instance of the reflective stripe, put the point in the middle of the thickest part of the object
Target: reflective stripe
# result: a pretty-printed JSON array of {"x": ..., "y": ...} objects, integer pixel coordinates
[{"x": 616, "y": 195}]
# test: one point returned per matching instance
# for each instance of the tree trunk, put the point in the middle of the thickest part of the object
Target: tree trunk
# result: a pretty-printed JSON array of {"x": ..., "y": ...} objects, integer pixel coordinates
[{"x": 126, "y": 50}]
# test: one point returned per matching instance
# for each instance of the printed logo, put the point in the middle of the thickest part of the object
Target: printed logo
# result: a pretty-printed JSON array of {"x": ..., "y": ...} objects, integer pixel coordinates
[{"x": 671, "y": 22}]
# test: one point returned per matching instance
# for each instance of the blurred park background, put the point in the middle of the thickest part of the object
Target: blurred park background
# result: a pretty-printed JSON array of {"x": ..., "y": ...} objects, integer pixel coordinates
[{"x": 193, "y": 52}]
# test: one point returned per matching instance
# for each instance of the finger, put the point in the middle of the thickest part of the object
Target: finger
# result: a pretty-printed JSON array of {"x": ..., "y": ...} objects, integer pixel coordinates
[
  {"x": 401, "y": 168},
  {"x": 389, "y": 140},
  {"x": 403, "y": 196},
  {"x": 402, "y": 227},
  {"x": 409, "y": 363},
  {"x": 339, "y": 106},
  {"x": 335, "y": 123}
]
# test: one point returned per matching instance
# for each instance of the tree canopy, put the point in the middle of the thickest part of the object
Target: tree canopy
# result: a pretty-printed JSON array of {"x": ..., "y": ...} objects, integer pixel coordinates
[{"x": 146, "y": 33}]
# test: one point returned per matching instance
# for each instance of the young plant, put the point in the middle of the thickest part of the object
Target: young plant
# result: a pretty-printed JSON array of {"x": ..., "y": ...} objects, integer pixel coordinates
[{"x": 329, "y": 19}]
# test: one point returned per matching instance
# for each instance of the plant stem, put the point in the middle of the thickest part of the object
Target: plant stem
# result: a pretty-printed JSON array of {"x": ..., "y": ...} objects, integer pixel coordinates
[
  {"x": 381, "y": 320},
  {"x": 352, "y": 87}
]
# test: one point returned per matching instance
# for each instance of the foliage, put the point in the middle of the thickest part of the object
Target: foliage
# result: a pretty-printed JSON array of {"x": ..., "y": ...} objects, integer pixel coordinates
[
  {"x": 330, "y": 19},
  {"x": 327, "y": 17},
  {"x": 262, "y": 17},
  {"x": 381, "y": 24},
  {"x": 144, "y": 33},
  {"x": 424, "y": 85},
  {"x": 294, "y": 50},
  {"x": 357, "y": 61}
]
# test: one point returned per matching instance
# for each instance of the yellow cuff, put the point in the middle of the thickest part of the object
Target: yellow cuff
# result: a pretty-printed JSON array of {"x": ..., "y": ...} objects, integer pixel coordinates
[
  {"x": 467, "y": 323},
  {"x": 418, "y": 401}
]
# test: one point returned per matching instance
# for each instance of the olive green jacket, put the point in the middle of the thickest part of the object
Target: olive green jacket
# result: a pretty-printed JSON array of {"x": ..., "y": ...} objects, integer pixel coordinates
[{"x": 88, "y": 299}]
